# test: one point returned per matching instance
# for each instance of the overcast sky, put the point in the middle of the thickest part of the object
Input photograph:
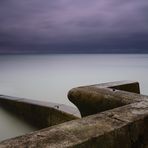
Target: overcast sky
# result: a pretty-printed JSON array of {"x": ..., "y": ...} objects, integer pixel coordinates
[{"x": 74, "y": 26}]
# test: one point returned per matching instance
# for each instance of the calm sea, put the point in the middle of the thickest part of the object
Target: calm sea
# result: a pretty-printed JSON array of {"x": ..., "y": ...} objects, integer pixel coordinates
[{"x": 49, "y": 77}]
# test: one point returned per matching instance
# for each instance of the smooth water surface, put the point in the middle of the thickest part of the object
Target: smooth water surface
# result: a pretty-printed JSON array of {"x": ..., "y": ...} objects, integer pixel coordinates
[{"x": 49, "y": 77}]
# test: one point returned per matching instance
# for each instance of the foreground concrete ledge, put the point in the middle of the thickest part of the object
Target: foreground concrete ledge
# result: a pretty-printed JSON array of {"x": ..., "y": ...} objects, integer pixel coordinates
[{"x": 125, "y": 126}]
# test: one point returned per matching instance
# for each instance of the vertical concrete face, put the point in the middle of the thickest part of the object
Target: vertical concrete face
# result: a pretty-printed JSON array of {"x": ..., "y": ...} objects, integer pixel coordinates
[
  {"x": 129, "y": 87},
  {"x": 35, "y": 113},
  {"x": 125, "y": 126}
]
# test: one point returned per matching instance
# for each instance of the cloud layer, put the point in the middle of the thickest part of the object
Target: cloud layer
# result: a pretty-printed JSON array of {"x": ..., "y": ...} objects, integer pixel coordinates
[{"x": 73, "y": 26}]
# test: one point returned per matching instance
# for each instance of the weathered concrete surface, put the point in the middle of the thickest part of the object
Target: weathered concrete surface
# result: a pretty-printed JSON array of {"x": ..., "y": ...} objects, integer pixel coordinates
[
  {"x": 96, "y": 98},
  {"x": 123, "y": 127},
  {"x": 37, "y": 113}
]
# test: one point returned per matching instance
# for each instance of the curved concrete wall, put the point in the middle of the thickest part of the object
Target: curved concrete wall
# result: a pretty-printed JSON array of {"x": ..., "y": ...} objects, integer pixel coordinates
[
  {"x": 122, "y": 127},
  {"x": 97, "y": 98},
  {"x": 39, "y": 114}
]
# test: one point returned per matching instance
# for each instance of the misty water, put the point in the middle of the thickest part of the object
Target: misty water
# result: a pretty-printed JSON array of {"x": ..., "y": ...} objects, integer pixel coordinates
[{"x": 49, "y": 77}]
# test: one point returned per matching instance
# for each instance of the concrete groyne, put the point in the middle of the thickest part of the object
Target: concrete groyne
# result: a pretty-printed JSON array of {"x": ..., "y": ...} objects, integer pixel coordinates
[{"x": 114, "y": 115}]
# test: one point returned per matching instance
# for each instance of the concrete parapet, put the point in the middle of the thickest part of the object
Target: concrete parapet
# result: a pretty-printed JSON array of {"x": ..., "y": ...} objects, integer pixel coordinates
[{"x": 125, "y": 126}]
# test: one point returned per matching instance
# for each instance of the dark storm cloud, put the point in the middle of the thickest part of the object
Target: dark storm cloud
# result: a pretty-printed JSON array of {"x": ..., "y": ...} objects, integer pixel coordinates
[{"x": 73, "y": 26}]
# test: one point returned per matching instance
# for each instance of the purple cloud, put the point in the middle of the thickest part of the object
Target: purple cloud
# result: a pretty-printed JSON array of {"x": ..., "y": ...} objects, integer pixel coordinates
[{"x": 80, "y": 25}]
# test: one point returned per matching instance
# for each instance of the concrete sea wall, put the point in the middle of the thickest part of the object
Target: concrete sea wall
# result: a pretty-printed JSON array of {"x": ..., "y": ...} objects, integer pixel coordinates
[
  {"x": 114, "y": 115},
  {"x": 37, "y": 113}
]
